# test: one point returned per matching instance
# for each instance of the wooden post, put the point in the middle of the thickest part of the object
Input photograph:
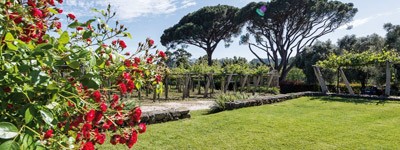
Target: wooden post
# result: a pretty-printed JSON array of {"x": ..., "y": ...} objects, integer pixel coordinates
[
  {"x": 320, "y": 79},
  {"x": 227, "y": 83},
  {"x": 243, "y": 82},
  {"x": 388, "y": 77},
  {"x": 258, "y": 83},
  {"x": 234, "y": 83},
  {"x": 154, "y": 94},
  {"x": 212, "y": 84},
  {"x": 166, "y": 86},
  {"x": 207, "y": 86},
  {"x": 270, "y": 77},
  {"x": 346, "y": 82},
  {"x": 199, "y": 86}
]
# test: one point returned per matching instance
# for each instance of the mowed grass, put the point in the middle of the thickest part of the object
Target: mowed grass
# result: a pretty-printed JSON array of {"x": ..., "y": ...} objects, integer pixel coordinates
[{"x": 304, "y": 123}]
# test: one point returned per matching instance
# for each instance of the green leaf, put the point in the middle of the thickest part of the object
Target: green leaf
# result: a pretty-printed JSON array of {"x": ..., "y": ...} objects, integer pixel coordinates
[
  {"x": 127, "y": 34},
  {"x": 87, "y": 34},
  {"x": 91, "y": 82},
  {"x": 28, "y": 116},
  {"x": 26, "y": 140},
  {"x": 64, "y": 38},
  {"x": 47, "y": 116},
  {"x": 9, "y": 37},
  {"x": 52, "y": 10},
  {"x": 138, "y": 85},
  {"x": 74, "y": 64},
  {"x": 44, "y": 46},
  {"x": 10, "y": 145},
  {"x": 7, "y": 130},
  {"x": 74, "y": 24},
  {"x": 11, "y": 46}
]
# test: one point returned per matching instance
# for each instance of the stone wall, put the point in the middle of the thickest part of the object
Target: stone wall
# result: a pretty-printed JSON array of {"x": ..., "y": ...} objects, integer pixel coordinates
[{"x": 159, "y": 116}]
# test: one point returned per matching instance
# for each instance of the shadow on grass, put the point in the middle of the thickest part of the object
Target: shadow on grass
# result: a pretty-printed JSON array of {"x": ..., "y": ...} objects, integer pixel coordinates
[{"x": 350, "y": 100}]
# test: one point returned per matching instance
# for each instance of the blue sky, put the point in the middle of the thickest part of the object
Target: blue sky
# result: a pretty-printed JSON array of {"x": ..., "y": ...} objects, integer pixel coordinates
[{"x": 149, "y": 18}]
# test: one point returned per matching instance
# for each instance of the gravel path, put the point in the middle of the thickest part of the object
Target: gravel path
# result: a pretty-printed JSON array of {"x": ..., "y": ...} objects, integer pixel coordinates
[{"x": 191, "y": 105}]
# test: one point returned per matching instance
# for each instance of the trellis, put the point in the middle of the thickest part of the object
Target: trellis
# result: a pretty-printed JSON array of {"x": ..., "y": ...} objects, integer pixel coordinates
[
  {"x": 186, "y": 82},
  {"x": 354, "y": 60}
]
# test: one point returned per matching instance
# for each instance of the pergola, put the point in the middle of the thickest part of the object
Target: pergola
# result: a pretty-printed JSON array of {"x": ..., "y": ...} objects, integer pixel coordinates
[{"x": 356, "y": 60}]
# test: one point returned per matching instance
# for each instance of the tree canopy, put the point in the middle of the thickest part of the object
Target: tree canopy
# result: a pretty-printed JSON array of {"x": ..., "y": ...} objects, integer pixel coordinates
[
  {"x": 289, "y": 26},
  {"x": 204, "y": 28},
  {"x": 392, "y": 36}
]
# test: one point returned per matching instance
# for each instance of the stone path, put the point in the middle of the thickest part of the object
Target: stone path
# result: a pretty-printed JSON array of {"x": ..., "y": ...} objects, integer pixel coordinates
[{"x": 191, "y": 105}]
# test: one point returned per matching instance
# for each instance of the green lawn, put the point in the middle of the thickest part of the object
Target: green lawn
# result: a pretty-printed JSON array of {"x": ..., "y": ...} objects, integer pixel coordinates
[{"x": 304, "y": 123}]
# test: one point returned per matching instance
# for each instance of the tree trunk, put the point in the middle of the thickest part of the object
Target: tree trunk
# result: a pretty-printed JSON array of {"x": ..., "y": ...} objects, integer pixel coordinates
[{"x": 209, "y": 58}]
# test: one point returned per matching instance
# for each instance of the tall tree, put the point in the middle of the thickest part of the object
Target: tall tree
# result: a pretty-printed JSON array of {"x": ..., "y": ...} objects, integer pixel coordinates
[
  {"x": 204, "y": 28},
  {"x": 288, "y": 26},
  {"x": 178, "y": 58},
  {"x": 392, "y": 36}
]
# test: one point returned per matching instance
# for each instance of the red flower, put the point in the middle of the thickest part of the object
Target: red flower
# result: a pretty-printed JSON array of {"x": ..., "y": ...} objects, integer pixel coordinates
[
  {"x": 115, "y": 98},
  {"x": 137, "y": 60},
  {"x": 59, "y": 10},
  {"x": 130, "y": 85},
  {"x": 86, "y": 130},
  {"x": 108, "y": 63},
  {"x": 137, "y": 114},
  {"x": 132, "y": 140},
  {"x": 122, "y": 44},
  {"x": 88, "y": 40},
  {"x": 88, "y": 146},
  {"x": 37, "y": 13},
  {"x": 162, "y": 54},
  {"x": 16, "y": 18},
  {"x": 57, "y": 24},
  {"x": 122, "y": 88},
  {"x": 158, "y": 78},
  {"x": 127, "y": 76},
  {"x": 127, "y": 54},
  {"x": 114, "y": 42},
  {"x": 151, "y": 42},
  {"x": 115, "y": 139},
  {"x": 150, "y": 60},
  {"x": 99, "y": 116},
  {"x": 70, "y": 104},
  {"x": 122, "y": 140},
  {"x": 100, "y": 138},
  {"x": 48, "y": 134},
  {"x": 103, "y": 107},
  {"x": 71, "y": 16},
  {"x": 96, "y": 96},
  {"x": 90, "y": 115},
  {"x": 104, "y": 45},
  {"x": 128, "y": 63},
  {"x": 8, "y": 4},
  {"x": 107, "y": 125},
  {"x": 7, "y": 89},
  {"x": 142, "y": 128},
  {"x": 79, "y": 28},
  {"x": 32, "y": 3},
  {"x": 60, "y": 1},
  {"x": 120, "y": 121},
  {"x": 51, "y": 2}
]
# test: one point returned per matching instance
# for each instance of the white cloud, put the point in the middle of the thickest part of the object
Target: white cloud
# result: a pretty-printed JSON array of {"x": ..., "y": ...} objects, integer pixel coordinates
[
  {"x": 187, "y": 3},
  {"x": 129, "y": 9},
  {"x": 357, "y": 22},
  {"x": 362, "y": 21}
]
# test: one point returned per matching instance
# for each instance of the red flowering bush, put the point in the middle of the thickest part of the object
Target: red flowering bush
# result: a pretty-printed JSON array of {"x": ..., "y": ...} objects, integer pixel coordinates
[{"x": 67, "y": 91}]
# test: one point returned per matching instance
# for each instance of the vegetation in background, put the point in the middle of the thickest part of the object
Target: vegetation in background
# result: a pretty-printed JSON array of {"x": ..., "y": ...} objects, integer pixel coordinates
[{"x": 289, "y": 26}]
